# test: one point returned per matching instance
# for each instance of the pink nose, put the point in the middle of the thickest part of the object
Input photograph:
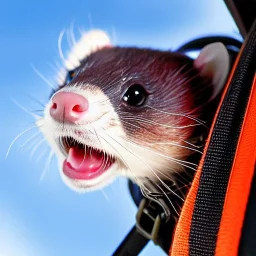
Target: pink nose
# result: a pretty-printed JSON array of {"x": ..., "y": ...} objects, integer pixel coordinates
[{"x": 68, "y": 107}]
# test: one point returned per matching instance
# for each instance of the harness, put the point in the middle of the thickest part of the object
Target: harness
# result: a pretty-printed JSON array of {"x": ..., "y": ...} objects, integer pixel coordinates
[{"x": 218, "y": 215}]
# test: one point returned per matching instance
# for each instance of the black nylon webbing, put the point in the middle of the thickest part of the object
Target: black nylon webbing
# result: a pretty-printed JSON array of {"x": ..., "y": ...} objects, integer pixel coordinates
[
  {"x": 248, "y": 237},
  {"x": 132, "y": 245},
  {"x": 220, "y": 154}
]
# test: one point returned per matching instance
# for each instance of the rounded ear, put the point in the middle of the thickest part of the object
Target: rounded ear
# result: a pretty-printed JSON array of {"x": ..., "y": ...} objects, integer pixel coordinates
[
  {"x": 213, "y": 61},
  {"x": 89, "y": 43}
]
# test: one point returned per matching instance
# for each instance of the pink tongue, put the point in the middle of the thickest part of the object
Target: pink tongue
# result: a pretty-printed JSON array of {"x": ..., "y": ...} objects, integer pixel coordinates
[{"x": 82, "y": 161}]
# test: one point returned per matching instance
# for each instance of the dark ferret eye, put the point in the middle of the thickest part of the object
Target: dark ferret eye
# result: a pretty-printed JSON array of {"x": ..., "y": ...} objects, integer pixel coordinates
[
  {"x": 135, "y": 95},
  {"x": 70, "y": 76}
]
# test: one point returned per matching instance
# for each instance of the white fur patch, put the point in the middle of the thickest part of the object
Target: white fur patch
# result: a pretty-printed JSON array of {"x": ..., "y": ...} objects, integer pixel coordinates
[{"x": 89, "y": 43}]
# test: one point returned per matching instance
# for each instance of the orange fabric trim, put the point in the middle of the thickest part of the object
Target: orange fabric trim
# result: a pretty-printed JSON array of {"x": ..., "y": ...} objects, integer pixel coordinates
[
  {"x": 180, "y": 245},
  {"x": 239, "y": 184}
]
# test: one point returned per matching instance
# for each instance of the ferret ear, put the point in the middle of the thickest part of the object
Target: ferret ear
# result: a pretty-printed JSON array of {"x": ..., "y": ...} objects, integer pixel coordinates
[
  {"x": 214, "y": 61},
  {"x": 89, "y": 43}
]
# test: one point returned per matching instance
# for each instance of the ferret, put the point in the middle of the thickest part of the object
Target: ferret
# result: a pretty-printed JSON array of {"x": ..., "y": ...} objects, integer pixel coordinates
[{"x": 133, "y": 112}]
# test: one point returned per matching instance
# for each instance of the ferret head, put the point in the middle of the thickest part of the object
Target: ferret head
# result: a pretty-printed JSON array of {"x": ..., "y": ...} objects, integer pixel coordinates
[{"x": 130, "y": 112}]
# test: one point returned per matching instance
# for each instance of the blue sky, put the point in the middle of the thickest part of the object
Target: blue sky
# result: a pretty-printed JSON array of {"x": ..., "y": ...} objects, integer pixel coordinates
[{"x": 47, "y": 218}]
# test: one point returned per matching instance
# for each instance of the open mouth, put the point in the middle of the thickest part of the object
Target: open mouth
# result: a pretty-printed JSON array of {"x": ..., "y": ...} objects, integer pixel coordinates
[{"x": 84, "y": 162}]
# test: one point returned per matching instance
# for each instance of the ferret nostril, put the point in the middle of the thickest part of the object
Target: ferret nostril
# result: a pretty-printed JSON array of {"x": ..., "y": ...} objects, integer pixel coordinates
[
  {"x": 79, "y": 108},
  {"x": 54, "y": 105}
]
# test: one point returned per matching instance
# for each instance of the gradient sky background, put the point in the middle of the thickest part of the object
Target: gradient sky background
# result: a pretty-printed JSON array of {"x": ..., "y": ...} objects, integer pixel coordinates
[{"x": 46, "y": 218}]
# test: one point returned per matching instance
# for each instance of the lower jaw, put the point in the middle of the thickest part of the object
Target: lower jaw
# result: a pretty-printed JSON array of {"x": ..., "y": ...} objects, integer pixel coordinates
[
  {"x": 71, "y": 173},
  {"x": 84, "y": 186}
]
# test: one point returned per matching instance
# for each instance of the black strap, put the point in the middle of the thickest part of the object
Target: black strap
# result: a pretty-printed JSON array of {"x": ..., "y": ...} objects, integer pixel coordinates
[
  {"x": 248, "y": 238},
  {"x": 199, "y": 43},
  {"x": 132, "y": 245},
  {"x": 243, "y": 12}
]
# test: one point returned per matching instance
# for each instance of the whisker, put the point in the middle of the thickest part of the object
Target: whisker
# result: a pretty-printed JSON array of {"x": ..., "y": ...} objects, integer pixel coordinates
[
  {"x": 164, "y": 175},
  {"x": 104, "y": 163},
  {"x": 60, "y": 45},
  {"x": 175, "y": 114},
  {"x": 156, "y": 123},
  {"x": 16, "y": 138},
  {"x": 181, "y": 162},
  {"x": 41, "y": 155},
  {"x": 72, "y": 34},
  {"x": 24, "y": 109},
  {"x": 145, "y": 191},
  {"x": 113, "y": 35},
  {"x": 43, "y": 78},
  {"x": 96, "y": 134},
  {"x": 83, "y": 157},
  {"x": 101, "y": 101},
  {"x": 36, "y": 147},
  {"x": 37, "y": 101},
  {"x": 191, "y": 144},
  {"x": 119, "y": 155},
  {"x": 36, "y": 111},
  {"x": 153, "y": 196},
  {"x": 105, "y": 195},
  {"x": 178, "y": 145},
  {"x": 29, "y": 140},
  {"x": 69, "y": 39},
  {"x": 90, "y": 21},
  {"x": 169, "y": 198},
  {"x": 47, "y": 164},
  {"x": 32, "y": 144},
  {"x": 60, "y": 65},
  {"x": 54, "y": 68},
  {"x": 136, "y": 126}
]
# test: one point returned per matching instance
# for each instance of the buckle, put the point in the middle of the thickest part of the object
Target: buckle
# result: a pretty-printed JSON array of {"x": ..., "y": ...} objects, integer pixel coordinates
[{"x": 149, "y": 217}]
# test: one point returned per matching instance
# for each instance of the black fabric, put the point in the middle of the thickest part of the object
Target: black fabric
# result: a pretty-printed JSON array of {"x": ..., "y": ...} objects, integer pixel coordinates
[
  {"x": 199, "y": 43},
  {"x": 248, "y": 238},
  {"x": 220, "y": 154},
  {"x": 135, "y": 192}
]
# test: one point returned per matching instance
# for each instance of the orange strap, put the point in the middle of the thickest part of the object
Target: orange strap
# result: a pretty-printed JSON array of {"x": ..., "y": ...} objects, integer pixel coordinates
[
  {"x": 180, "y": 245},
  {"x": 239, "y": 184}
]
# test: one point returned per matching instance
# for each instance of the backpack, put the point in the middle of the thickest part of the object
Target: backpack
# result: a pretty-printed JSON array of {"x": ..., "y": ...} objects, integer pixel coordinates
[{"x": 218, "y": 215}]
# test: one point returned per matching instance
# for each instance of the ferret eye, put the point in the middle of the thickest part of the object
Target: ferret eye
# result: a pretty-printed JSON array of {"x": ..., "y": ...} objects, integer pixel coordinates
[
  {"x": 135, "y": 95},
  {"x": 70, "y": 76}
]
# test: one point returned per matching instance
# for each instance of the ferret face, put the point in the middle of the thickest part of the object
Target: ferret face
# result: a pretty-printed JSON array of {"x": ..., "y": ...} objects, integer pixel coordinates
[{"x": 129, "y": 112}]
